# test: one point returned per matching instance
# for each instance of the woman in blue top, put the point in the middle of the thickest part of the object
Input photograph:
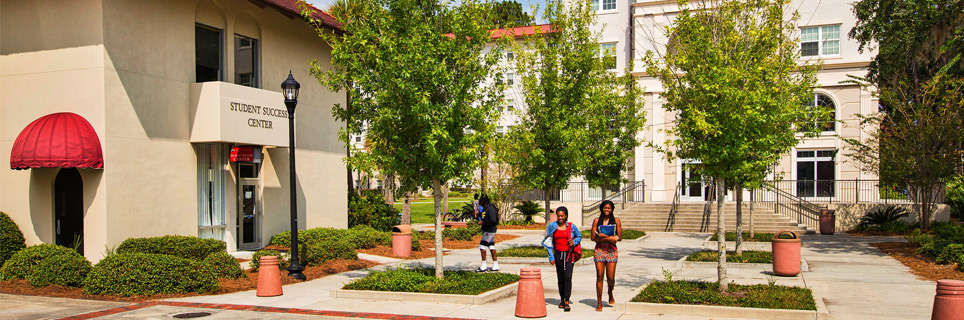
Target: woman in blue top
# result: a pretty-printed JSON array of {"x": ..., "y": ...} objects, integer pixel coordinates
[{"x": 561, "y": 239}]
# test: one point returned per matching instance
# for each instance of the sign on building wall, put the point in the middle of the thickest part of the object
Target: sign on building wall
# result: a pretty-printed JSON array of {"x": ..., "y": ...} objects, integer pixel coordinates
[{"x": 232, "y": 113}]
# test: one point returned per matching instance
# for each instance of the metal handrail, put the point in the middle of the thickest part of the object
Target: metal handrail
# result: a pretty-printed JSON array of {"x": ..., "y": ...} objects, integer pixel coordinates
[
  {"x": 789, "y": 205},
  {"x": 671, "y": 219},
  {"x": 588, "y": 212},
  {"x": 708, "y": 208}
]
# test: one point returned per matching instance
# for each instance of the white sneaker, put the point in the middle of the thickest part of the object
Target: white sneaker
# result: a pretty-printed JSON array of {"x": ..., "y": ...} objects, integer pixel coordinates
[
  {"x": 495, "y": 267},
  {"x": 482, "y": 269}
]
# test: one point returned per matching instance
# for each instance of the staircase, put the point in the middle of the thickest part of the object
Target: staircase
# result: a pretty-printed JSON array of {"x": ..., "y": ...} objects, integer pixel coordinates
[{"x": 689, "y": 217}]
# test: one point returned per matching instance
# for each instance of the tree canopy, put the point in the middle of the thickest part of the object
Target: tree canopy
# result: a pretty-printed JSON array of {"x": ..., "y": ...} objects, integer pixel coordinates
[{"x": 509, "y": 13}]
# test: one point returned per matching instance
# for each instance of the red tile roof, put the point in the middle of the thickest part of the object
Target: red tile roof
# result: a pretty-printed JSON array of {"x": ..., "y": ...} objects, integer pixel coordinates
[
  {"x": 519, "y": 32},
  {"x": 290, "y": 8}
]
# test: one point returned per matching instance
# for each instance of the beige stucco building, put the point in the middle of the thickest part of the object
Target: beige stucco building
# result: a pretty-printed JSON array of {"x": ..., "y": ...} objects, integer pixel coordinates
[{"x": 172, "y": 89}]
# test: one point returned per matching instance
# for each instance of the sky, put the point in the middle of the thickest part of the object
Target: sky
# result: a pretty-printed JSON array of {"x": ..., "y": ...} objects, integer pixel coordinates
[{"x": 526, "y": 4}]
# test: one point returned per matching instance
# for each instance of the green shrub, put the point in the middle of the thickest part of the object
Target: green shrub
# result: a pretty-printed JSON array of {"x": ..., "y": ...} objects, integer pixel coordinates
[
  {"x": 463, "y": 234},
  {"x": 747, "y": 296},
  {"x": 950, "y": 253},
  {"x": 223, "y": 265},
  {"x": 883, "y": 215},
  {"x": 424, "y": 280},
  {"x": 371, "y": 210},
  {"x": 954, "y": 197},
  {"x": 256, "y": 259},
  {"x": 628, "y": 234},
  {"x": 282, "y": 239},
  {"x": 61, "y": 269},
  {"x": 193, "y": 248},
  {"x": 534, "y": 251},
  {"x": 416, "y": 245},
  {"x": 320, "y": 252},
  {"x": 46, "y": 264},
  {"x": 948, "y": 232},
  {"x": 891, "y": 227},
  {"x": 757, "y": 237},
  {"x": 11, "y": 239},
  {"x": 960, "y": 262},
  {"x": 365, "y": 237},
  {"x": 134, "y": 273},
  {"x": 731, "y": 256},
  {"x": 528, "y": 209}
]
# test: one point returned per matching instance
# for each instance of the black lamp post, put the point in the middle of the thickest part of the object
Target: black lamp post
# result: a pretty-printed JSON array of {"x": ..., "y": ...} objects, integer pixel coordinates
[{"x": 290, "y": 90}]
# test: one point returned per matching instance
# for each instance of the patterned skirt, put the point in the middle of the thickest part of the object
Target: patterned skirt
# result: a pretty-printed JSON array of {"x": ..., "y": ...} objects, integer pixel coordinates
[{"x": 605, "y": 252}]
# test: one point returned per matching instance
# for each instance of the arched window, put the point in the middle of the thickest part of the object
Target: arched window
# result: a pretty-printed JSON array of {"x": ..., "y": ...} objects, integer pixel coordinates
[{"x": 824, "y": 103}]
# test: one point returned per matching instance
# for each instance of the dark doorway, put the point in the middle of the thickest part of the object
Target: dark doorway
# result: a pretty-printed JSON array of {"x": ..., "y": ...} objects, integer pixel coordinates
[{"x": 69, "y": 209}]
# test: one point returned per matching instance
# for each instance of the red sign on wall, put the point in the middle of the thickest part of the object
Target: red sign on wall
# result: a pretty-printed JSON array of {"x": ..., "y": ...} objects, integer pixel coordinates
[{"x": 242, "y": 154}]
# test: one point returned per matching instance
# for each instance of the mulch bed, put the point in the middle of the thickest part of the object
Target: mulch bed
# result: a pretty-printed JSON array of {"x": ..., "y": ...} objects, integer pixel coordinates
[
  {"x": 428, "y": 244},
  {"x": 23, "y": 287},
  {"x": 535, "y": 226},
  {"x": 386, "y": 251},
  {"x": 923, "y": 267}
]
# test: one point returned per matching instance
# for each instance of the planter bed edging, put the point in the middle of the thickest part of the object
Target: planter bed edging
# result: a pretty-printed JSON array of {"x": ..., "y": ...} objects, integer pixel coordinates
[
  {"x": 630, "y": 243},
  {"x": 728, "y": 312},
  {"x": 485, "y": 297},
  {"x": 682, "y": 263},
  {"x": 747, "y": 245}
]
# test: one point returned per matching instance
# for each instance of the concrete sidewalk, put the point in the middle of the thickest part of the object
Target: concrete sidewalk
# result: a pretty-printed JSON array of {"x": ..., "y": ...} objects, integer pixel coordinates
[{"x": 855, "y": 281}]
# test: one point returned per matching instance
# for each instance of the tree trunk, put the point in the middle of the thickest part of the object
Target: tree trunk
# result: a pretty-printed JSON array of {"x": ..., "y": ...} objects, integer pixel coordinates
[
  {"x": 752, "y": 235},
  {"x": 445, "y": 197},
  {"x": 721, "y": 235},
  {"x": 545, "y": 196},
  {"x": 407, "y": 209},
  {"x": 437, "y": 194},
  {"x": 351, "y": 180},
  {"x": 389, "y": 190},
  {"x": 739, "y": 220}
]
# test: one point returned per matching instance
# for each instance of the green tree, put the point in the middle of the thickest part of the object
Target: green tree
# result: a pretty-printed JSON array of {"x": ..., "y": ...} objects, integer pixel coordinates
[
  {"x": 914, "y": 140},
  {"x": 509, "y": 13},
  {"x": 421, "y": 92},
  {"x": 573, "y": 102},
  {"x": 731, "y": 77}
]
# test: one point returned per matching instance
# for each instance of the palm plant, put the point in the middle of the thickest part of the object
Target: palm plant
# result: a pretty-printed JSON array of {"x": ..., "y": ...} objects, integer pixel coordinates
[
  {"x": 883, "y": 215},
  {"x": 528, "y": 209}
]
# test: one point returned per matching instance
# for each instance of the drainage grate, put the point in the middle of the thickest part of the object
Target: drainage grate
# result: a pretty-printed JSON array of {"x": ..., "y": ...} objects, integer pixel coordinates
[{"x": 191, "y": 315}]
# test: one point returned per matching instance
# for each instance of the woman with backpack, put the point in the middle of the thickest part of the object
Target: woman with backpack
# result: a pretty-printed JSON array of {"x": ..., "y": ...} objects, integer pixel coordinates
[
  {"x": 562, "y": 243},
  {"x": 606, "y": 231}
]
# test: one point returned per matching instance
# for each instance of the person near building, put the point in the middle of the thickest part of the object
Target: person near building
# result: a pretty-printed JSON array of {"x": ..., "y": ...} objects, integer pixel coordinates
[
  {"x": 606, "y": 231},
  {"x": 489, "y": 219},
  {"x": 561, "y": 239}
]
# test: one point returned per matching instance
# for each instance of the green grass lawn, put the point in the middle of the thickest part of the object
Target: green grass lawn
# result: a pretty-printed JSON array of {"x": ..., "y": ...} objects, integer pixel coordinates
[
  {"x": 423, "y": 211},
  {"x": 423, "y": 280},
  {"x": 757, "y": 237},
  {"x": 704, "y": 293},
  {"x": 747, "y": 257},
  {"x": 534, "y": 252}
]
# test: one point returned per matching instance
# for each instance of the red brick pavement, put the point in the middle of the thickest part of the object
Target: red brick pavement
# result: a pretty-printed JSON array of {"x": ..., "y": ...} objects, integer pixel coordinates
[{"x": 238, "y": 307}]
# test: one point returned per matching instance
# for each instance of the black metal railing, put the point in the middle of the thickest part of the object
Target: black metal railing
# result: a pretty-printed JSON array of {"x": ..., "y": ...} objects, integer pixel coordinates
[
  {"x": 671, "y": 219},
  {"x": 632, "y": 192},
  {"x": 844, "y": 191},
  {"x": 788, "y": 205}
]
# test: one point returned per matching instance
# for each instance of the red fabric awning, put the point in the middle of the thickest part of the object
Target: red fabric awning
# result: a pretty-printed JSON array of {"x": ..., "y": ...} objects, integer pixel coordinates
[{"x": 59, "y": 140}]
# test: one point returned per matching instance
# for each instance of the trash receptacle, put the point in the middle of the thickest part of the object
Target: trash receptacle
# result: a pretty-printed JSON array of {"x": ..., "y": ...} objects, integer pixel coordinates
[
  {"x": 828, "y": 221},
  {"x": 786, "y": 254},
  {"x": 402, "y": 240}
]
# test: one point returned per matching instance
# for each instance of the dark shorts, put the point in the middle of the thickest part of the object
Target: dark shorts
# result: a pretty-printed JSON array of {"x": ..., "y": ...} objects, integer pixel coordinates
[{"x": 488, "y": 240}]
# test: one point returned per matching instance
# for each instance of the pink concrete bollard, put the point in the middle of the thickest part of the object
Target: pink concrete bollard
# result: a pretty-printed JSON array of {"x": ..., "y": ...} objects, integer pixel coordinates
[
  {"x": 786, "y": 255},
  {"x": 269, "y": 277},
  {"x": 949, "y": 301},
  {"x": 530, "y": 301}
]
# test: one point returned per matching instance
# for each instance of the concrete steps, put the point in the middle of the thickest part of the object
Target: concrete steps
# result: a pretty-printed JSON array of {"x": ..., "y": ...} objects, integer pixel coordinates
[{"x": 689, "y": 218}]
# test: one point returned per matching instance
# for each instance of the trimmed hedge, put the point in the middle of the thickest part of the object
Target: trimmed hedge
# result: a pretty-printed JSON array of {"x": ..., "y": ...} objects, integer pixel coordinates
[
  {"x": 747, "y": 296},
  {"x": 424, "y": 280},
  {"x": 320, "y": 252},
  {"x": 130, "y": 274},
  {"x": 628, "y": 234},
  {"x": 731, "y": 256},
  {"x": 11, "y": 239},
  {"x": 464, "y": 234},
  {"x": 193, "y": 248},
  {"x": 256, "y": 259},
  {"x": 223, "y": 265},
  {"x": 371, "y": 210},
  {"x": 46, "y": 264},
  {"x": 360, "y": 237}
]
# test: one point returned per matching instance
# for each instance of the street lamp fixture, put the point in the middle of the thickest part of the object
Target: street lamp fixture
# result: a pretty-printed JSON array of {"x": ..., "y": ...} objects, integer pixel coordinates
[{"x": 289, "y": 89}]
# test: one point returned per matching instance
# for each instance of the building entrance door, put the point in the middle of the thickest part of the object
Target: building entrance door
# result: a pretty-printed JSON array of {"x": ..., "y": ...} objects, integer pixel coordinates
[
  {"x": 249, "y": 207},
  {"x": 69, "y": 209},
  {"x": 692, "y": 181}
]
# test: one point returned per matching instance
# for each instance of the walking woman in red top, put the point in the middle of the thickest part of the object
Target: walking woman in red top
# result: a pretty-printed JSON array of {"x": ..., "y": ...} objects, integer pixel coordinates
[
  {"x": 561, "y": 238},
  {"x": 606, "y": 231}
]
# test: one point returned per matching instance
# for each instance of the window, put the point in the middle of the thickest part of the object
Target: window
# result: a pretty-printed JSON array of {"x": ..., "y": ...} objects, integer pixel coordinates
[
  {"x": 509, "y": 56},
  {"x": 815, "y": 173},
  {"x": 211, "y": 161},
  {"x": 357, "y": 138},
  {"x": 510, "y": 107},
  {"x": 246, "y": 61},
  {"x": 500, "y": 130},
  {"x": 207, "y": 53},
  {"x": 824, "y": 104},
  {"x": 510, "y": 78},
  {"x": 820, "y": 41},
  {"x": 607, "y": 52},
  {"x": 606, "y": 5}
]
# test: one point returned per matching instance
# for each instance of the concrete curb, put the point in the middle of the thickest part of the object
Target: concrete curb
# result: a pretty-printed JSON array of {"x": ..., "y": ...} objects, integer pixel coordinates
[
  {"x": 683, "y": 264},
  {"x": 486, "y": 297},
  {"x": 726, "y": 312},
  {"x": 540, "y": 260}
]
